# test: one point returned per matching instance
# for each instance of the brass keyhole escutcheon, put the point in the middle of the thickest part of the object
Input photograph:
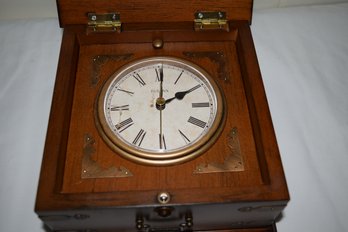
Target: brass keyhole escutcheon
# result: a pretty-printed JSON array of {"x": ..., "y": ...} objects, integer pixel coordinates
[{"x": 164, "y": 211}]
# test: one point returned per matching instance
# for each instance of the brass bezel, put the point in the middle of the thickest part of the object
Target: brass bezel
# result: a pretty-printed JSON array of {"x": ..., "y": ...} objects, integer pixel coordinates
[{"x": 166, "y": 158}]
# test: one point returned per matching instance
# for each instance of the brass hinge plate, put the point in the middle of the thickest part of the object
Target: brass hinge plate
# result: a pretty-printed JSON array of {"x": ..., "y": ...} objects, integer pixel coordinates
[
  {"x": 211, "y": 20},
  {"x": 107, "y": 22}
]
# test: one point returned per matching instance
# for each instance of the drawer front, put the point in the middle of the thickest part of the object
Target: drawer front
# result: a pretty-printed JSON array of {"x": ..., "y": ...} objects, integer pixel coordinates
[{"x": 168, "y": 218}]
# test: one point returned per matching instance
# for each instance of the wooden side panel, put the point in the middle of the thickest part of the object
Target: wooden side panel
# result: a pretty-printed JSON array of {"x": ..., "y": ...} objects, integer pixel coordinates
[
  {"x": 132, "y": 11},
  {"x": 266, "y": 143},
  {"x": 52, "y": 167}
]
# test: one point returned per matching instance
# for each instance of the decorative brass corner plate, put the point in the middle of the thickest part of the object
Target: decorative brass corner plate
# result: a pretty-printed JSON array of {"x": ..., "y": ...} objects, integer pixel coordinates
[
  {"x": 217, "y": 57},
  {"x": 91, "y": 169},
  {"x": 100, "y": 60},
  {"x": 232, "y": 163}
]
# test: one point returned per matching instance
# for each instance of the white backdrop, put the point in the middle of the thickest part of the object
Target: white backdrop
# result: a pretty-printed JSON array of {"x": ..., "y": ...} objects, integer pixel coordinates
[{"x": 303, "y": 55}]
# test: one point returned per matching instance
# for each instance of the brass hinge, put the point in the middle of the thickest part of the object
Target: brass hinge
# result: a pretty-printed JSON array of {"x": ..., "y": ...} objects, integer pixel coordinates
[
  {"x": 108, "y": 22},
  {"x": 211, "y": 20}
]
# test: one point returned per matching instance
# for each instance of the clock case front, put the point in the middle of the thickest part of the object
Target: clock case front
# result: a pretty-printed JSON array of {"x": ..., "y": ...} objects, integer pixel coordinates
[{"x": 237, "y": 184}]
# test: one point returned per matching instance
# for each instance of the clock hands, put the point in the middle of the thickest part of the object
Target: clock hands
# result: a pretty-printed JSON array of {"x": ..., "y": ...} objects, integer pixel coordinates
[
  {"x": 161, "y": 82},
  {"x": 160, "y": 105},
  {"x": 160, "y": 101},
  {"x": 181, "y": 95}
]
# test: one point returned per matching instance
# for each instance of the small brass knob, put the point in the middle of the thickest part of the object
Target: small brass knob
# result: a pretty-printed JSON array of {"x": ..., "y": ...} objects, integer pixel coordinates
[
  {"x": 163, "y": 198},
  {"x": 157, "y": 43}
]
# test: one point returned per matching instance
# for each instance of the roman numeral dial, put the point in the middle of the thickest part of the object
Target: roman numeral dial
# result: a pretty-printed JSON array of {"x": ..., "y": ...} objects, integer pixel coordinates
[
  {"x": 159, "y": 111},
  {"x": 139, "y": 138},
  {"x": 197, "y": 122},
  {"x": 124, "y": 124},
  {"x": 119, "y": 108}
]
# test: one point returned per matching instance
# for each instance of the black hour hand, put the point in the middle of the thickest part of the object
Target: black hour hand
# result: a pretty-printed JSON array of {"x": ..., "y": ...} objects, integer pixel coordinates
[{"x": 181, "y": 95}]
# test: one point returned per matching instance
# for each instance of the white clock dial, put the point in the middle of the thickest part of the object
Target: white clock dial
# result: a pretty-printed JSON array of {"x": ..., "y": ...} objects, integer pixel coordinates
[{"x": 159, "y": 109}]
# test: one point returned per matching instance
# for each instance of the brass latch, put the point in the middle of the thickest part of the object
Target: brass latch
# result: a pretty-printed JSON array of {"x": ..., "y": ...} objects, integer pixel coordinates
[
  {"x": 211, "y": 20},
  {"x": 108, "y": 22}
]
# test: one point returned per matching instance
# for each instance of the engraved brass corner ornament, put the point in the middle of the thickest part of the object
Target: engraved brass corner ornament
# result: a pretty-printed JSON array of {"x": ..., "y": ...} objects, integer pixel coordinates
[
  {"x": 233, "y": 161},
  {"x": 216, "y": 57},
  {"x": 91, "y": 169},
  {"x": 100, "y": 60}
]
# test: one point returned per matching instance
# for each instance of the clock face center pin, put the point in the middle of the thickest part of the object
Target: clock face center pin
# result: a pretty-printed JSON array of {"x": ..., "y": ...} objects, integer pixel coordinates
[{"x": 160, "y": 103}]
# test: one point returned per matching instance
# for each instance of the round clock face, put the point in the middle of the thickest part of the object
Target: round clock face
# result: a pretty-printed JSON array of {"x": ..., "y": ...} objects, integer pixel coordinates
[{"x": 160, "y": 111}]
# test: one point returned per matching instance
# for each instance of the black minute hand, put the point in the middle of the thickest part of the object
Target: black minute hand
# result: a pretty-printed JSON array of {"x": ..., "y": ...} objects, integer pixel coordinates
[{"x": 181, "y": 95}]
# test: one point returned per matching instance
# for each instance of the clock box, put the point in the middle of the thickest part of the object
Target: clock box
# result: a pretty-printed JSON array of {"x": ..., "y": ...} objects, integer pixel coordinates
[{"x": 159, "y": 121}]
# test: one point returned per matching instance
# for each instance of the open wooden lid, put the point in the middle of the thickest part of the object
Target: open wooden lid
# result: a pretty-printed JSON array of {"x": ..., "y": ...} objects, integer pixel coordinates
[{"x": 145, "y": 11}]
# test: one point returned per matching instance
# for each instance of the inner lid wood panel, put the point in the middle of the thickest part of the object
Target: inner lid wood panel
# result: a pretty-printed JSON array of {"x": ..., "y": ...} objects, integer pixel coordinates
[
  {"x": 138, "y": 11},
  {"x": 146, "y": 178}
]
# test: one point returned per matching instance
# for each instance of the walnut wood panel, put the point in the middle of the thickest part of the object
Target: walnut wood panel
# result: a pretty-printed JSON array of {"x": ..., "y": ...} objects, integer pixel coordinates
[
  {"x": 52, "y": 167},
  {"x": 266, "y": 143},
  {"x": 75, "y": 11},
  {"x": 157, "y": 178}
]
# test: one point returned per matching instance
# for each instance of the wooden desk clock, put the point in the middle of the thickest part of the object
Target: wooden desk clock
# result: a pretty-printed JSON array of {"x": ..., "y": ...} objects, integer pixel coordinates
[{"x": 159, "y": 121}]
